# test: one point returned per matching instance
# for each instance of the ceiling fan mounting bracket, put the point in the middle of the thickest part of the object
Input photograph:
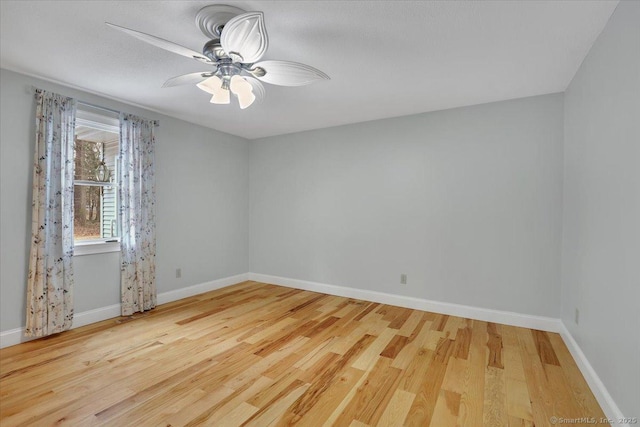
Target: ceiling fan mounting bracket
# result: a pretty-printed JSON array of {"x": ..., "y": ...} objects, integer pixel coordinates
[{"x": 212, "y": 19}]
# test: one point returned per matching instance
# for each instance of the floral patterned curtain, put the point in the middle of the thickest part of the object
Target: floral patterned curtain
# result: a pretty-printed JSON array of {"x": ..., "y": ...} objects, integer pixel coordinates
[
  {"x": 137, "y": 220},
  {"x": 50, "y": 279}
]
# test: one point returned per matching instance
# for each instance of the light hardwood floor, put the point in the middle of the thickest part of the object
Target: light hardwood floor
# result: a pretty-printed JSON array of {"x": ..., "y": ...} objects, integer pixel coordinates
[{"x": 260, "y": 355}]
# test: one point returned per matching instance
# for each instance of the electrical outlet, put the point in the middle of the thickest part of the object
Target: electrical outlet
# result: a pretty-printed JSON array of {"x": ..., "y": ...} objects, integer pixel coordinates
[
  {"x": 178, "y": 273},
  {"x": 403, "y": 279},
  {"x": 577, "y": 317}
]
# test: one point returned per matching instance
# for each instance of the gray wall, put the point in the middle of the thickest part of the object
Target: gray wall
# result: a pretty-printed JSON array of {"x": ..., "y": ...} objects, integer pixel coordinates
[
  {"x": 466, "y": 202},
  {"x": 202, "y": 209},
  {"x": 601, "y": 245}
]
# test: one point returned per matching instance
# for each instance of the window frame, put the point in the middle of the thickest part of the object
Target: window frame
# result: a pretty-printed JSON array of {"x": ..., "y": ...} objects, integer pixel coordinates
[{"x": 109, "y": 244}]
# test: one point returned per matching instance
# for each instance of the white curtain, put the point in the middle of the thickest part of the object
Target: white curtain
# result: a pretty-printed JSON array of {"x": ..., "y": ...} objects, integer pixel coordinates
[
  {"x": 50, "y": 279},
  {"x": 136, "y": 217}
]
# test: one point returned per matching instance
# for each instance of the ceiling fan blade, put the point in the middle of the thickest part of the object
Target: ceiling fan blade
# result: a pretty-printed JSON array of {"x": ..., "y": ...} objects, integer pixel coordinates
[
  {"x": 258, "y": 88},
  {"x": 163, "y": 44},
  {"x": 286, "y": 73},
  {"x": 244, "y": 38},
  {"x": 192, "y": 78}
]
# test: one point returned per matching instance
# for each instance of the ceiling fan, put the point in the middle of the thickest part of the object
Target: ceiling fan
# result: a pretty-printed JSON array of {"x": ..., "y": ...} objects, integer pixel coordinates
[{"x": 238, "y": 40}]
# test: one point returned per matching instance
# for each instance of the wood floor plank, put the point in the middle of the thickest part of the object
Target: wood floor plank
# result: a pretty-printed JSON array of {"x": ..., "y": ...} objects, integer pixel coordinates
[
  {"x": 447, "y": 409},
  {"x": 373, "y": 395},
  {"x": 228, "y": 407},
  {"x": 495, "y": 399},
  {"x": 264, "y": 355},
  {"x": 411, "y": 323},
  {"x": 456, "y": 377},
  {"x": 394, "y": 347},
  {"x": 190, "y": 411},
  {"x": 422, "y": 410},
  {"x": 463, "y": 341},
  {"x": 545, "y": 349},
  {"x": 518, "y": 399},
  {"x": 370, "y": 356},
  {"x": 274, "y": 410},
  {"x": 539, "y": 390},
  {"x": 321, "y": 380},
  {"x": 472, "y": 397},
  {"x": 495, "y": 345},
  {"x": 397, "y": 409},
  {"x": 333, "y": 396},
  {"x": 237, "y": 416}
]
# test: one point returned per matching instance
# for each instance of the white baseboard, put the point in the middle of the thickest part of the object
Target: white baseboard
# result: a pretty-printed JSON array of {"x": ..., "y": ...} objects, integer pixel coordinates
[
  {"x": 598, "y": 388},
  {"x": 12, "y": 337},
  {"x": 96, "y": 315},
  {"x": 488, "y": 315},
  {"x": 16, "y": 336},
  {"x": 201, "y": 288}
]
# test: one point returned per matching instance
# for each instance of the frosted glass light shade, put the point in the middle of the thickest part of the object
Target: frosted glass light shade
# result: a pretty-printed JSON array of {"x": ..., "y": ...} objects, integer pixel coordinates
[
  {"x": 243, "y": 89},
  {"x": 246, "y": 99},
  {"x": 245, "y": 35},
  {"x": 222, "y": 97},
  {"x": 286, "y": 73},
  {"x": 213, "y": 85},
  {"x": 239, "y": 85}
]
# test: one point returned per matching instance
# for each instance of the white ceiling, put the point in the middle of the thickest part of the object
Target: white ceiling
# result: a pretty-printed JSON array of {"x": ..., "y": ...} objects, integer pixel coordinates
[{"x": 385, "y": 58}]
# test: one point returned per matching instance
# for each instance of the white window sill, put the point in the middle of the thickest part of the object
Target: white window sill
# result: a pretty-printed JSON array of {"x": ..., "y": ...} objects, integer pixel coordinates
[{"x": 92, "y": 248}]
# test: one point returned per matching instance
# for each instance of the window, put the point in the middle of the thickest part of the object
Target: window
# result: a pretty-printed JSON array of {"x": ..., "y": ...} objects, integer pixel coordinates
[{"x": 95, "y": 216}]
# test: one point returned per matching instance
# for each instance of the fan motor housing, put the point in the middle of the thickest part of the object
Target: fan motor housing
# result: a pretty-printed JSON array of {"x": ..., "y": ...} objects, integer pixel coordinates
[{"x": 213, "y": 50}]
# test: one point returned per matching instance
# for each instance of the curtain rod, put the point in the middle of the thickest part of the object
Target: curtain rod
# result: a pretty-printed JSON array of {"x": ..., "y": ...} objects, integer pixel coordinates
[
  {"x": 155, "y": 122},
  {"x": 97, "y": 107}
]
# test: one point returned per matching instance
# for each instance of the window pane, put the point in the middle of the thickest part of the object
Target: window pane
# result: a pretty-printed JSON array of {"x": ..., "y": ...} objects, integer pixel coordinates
[
  {"x": 86, "y": 215},
  {"x": 109, "y": 212},
  {"x": 95, "y": 159},
  {"x": 95, "y": 212},
  {"x": 88, "y": 156}
]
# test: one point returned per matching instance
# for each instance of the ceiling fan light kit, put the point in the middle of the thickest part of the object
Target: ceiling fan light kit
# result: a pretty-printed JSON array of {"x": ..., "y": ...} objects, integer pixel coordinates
[{"x": 238, "y": 40}]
